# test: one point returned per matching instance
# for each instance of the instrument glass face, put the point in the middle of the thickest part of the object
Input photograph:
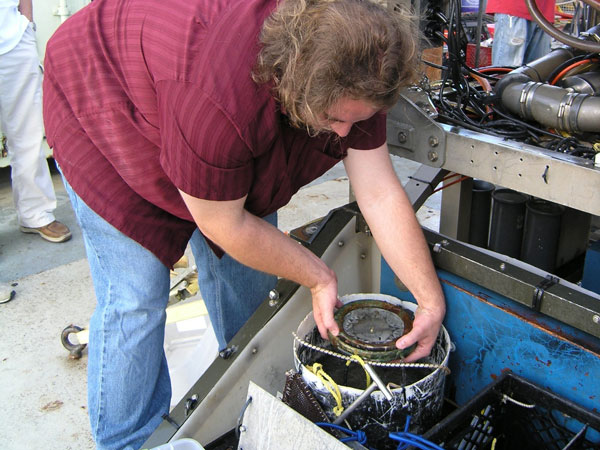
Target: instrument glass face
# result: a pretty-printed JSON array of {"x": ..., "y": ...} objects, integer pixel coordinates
[
  {"x": 370, "y": 329},
  {"x": 373, "y": 325}
]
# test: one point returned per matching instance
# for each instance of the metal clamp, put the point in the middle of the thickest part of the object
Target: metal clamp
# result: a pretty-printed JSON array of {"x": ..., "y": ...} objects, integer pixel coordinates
[{"x": 538, "y": 293}]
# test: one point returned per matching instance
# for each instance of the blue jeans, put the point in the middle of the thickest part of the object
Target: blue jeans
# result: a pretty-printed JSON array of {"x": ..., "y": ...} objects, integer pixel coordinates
[
  {"x": 129, "y": 389},
  {"x": 517, "y": 41}
]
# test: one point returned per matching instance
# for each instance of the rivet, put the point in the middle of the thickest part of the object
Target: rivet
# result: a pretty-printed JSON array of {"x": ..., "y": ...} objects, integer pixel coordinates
[{"x": 273, "y": 297}]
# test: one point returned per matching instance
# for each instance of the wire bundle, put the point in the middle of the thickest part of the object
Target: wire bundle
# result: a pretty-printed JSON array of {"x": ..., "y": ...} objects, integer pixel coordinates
[
  {"x": 407, "y": 439},
  {"x": 358, "y": 435},
  {"x": 464, "y": 95}
]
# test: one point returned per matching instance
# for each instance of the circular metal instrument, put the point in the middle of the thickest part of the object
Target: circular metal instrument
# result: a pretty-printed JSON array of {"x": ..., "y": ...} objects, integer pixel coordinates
[{"x": 370, "y": 329}]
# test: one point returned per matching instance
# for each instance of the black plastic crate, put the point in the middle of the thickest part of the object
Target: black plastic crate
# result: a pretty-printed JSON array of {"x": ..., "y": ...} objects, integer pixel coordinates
[{"x": 513, "y": 413}]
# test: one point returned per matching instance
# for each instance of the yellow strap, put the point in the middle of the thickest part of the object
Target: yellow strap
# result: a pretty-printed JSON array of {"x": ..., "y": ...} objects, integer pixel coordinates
[
  {"x": 362, "y": 363},
  {"x": 329, "y": 384}
]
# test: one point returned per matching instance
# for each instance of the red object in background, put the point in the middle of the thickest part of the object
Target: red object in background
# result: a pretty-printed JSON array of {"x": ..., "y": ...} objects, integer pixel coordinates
[{"x": 485, "y": 56}]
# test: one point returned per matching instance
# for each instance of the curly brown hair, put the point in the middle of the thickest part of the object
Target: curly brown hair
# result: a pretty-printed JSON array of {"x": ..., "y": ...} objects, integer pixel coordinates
[{"x": 318, "y": 51}]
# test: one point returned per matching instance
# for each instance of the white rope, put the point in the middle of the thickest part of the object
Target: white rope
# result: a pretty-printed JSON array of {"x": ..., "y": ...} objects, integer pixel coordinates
[
  {"x": 516, "y": 402},
  {"x": 372, "y": 363}
]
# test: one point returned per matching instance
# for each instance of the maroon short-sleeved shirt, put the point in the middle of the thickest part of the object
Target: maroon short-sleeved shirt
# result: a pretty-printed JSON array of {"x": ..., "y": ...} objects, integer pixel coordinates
[
  {"x": 144, "y": 97},
  {"x": 518, "y": 8}
]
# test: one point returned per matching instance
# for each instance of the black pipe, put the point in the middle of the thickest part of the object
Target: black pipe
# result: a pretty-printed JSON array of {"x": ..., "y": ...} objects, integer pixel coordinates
[
  {"x": 481, "y": 205},
  {"x": 541, "y": 234},
  {"x": 508, "y": 218}
]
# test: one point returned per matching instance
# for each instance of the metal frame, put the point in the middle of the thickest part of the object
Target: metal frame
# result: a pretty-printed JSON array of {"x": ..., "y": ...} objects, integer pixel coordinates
[
  {"x": 567, "y": 303},
  {"x": 414, "y": 134}
]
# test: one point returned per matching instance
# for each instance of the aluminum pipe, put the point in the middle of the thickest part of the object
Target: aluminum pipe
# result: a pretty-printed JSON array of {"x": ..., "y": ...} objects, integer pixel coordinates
[
  {"x": 553, "y": 106},
  {"x": 524, "y": 92}
]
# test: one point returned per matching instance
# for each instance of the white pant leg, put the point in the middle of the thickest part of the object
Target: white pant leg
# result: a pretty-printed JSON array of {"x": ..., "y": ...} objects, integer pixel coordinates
[
  {"x": 21, "y": 122},
  {"x": 510, "y": 40}
]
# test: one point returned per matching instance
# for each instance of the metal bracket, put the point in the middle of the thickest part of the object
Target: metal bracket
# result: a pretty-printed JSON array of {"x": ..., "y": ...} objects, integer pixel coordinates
[
  {"x": 422, "y": 184},
  {"x": 413, "y": 133},
  {"x": 538, "y": 293},
  {"x": 168, "y": 418},
  {"x": 307, "y": 233}
]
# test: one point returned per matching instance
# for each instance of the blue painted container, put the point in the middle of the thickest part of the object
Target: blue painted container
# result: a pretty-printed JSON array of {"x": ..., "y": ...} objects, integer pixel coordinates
[
  {"x": 591, "y": 268},
  {"x": 493, "y": 334}
]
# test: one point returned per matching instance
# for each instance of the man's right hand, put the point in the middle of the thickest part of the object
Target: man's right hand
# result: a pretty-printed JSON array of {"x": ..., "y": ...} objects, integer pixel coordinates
[
  {"x": 259, "y": 245},
  {"x": 325, "y": 300}
]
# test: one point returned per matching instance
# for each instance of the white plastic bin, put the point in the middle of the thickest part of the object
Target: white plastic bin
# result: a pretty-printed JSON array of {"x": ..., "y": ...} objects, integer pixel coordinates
[{"x": 180, "y": 444}]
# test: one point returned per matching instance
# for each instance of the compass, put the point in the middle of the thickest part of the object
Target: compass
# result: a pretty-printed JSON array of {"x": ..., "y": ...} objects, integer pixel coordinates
[{"x": 370, "y": 329}]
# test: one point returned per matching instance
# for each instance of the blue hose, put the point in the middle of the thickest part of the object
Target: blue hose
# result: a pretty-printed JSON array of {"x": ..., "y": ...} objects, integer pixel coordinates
[{"x": 359, "y": 435}]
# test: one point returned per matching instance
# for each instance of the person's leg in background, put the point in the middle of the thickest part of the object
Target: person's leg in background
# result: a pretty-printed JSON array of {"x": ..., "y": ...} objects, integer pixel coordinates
[
  {"x": 231, "y": 291},
  {"x": 510, "y": 40},
  {"x": 129, "y": 388},
  {"x": 538, "y": 43},
  {"x": 21, "y": 122}
]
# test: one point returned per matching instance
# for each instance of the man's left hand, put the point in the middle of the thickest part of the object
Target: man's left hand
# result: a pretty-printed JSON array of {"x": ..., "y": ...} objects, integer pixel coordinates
[{"x": 425, "y": 330}]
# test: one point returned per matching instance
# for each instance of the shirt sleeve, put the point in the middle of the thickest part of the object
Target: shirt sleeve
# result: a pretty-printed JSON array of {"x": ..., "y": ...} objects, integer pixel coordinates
[
  {"x": 368, "y": 134},
  {"x": 201, "y": 150}
]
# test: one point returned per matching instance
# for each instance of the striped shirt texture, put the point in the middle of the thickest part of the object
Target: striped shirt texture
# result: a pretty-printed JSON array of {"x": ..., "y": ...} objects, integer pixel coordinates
[{"x": 144, "y": 97}]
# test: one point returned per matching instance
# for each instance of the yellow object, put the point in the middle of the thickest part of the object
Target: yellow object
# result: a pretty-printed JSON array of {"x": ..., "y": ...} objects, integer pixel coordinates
[
  {"x": 193, "y": 288},
  {"x": 182, "y": 263},
  {"x": 362, "y": 363},
  {"x": 330, "y": 385}
]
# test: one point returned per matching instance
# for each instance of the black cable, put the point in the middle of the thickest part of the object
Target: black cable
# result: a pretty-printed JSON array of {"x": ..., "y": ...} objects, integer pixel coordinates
[
  {"x": 468, "y": 126},
  {"x": 460, "y": 101},
  {"x": 507, "y": 128},
  {"x": 531, "y": 127},
  {"x": 442, "y": 17},
  {"x": 441, "y": 36},
  {"x": 480, "y": 74},
  {"x": 434, "y": 65}
]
